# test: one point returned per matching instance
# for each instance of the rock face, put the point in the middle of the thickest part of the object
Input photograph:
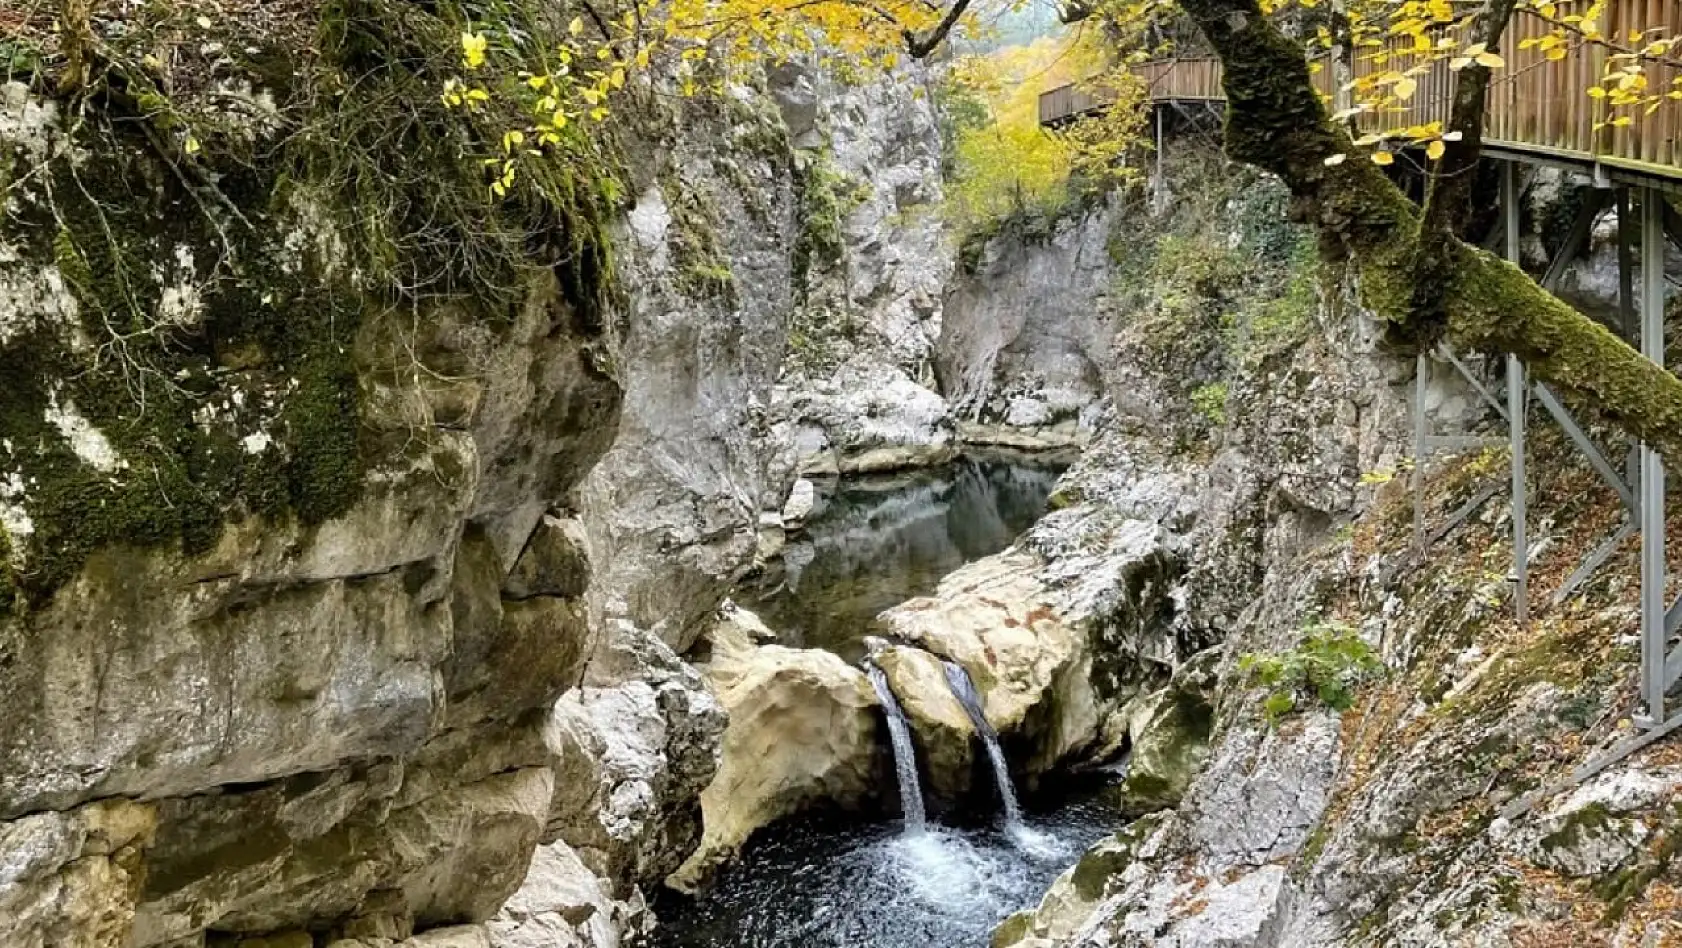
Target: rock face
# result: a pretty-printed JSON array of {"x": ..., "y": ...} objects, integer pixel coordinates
[
  {"x": 1402, "y": 820},
  {"x": 454, "y": 640},
  {"x": 858, "y": 392},
  {"x": 802, "y": 732},
  {"x": 1025, "y": 336}
]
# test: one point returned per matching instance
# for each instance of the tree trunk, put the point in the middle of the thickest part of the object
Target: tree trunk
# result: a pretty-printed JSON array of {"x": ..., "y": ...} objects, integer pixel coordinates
[
  {"x": 76, "y": 18},
  {"x": 1424, "y": 285}
]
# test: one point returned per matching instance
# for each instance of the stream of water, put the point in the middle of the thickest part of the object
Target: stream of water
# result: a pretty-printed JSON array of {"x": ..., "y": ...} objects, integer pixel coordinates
[
  {"x": 905, "y": 758},
  {"x": 842, "y": 882},
  {"x": 964, "y": 690}
]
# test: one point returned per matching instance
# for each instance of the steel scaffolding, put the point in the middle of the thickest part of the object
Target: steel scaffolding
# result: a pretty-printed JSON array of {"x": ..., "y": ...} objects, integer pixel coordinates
[{"x": 1640, "y": 486}]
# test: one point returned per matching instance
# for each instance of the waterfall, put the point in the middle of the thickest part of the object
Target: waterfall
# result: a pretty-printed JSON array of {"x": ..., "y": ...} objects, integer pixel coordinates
[
  {"x": 964, "y": 690},
  {"x": 905, "y": 755}
]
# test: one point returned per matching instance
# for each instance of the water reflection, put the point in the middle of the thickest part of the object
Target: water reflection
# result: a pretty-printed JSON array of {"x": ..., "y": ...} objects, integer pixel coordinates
[{"x": 872, "y": 543}]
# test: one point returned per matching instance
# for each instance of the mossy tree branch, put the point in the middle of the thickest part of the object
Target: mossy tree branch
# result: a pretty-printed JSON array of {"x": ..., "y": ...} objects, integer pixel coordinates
[{"x": 1424, "y": 284}]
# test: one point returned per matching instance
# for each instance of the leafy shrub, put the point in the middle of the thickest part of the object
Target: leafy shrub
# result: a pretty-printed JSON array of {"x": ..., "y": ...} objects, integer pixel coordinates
[
  {"x": 1210, "y": 402},
  {"x": 1328, "y": 666}
]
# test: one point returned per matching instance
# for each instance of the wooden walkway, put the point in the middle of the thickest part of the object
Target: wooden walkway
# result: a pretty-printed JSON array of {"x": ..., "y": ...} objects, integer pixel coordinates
[{"x": 1539, "y": 109}]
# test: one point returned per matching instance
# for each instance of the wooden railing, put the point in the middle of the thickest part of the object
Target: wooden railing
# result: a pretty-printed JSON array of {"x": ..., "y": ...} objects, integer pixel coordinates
[{"x": 1536, "y": 105}]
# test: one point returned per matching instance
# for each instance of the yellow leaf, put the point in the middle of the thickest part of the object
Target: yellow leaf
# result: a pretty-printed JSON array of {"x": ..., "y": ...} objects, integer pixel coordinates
[
  {"x": 1383, "y": 158},
  {"x": 192, "y": 145},
  {"x": 1404, "y": 88},
  {"x": 576, "y": 26},
  {"x": 473, "y": 47},
  {"x": 1435, "y": 150},
  {"x": 1490, "y": 60}
]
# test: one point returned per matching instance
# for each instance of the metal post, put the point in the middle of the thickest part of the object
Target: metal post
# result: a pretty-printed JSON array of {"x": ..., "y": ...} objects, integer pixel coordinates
[
  {"x": 1515, "y": 417},
  {"x": 1417, "y": 480},
  {"x": 1653, "y": 638},
  {"x": 1629, "y": 322},
  {"x": 1521, "y": 505},
  {"x": 1626, "y": 270}
]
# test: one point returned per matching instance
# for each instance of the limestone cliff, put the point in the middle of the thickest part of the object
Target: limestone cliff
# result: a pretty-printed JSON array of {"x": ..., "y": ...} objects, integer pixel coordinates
[
  {"x": 1256, "y": 436},
  {"x": 348, "y": 547}
]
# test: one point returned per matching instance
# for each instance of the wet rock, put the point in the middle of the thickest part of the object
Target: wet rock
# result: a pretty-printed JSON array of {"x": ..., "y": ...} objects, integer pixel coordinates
[
  {"x": 801, "y": 499},
  {"x": 944, "y": 735},
  {"x": 562, "y": 904},
  {"x": 1032, "y": 670}
]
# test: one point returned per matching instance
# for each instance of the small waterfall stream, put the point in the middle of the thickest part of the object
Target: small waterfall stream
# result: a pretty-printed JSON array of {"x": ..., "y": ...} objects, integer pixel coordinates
[
  {"x": 964, "y": 690},
  {"x": 905, "y": 754}
]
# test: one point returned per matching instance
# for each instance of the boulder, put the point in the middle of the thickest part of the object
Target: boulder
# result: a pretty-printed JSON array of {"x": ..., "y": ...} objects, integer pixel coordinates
[
  {"x": 802, "y": 498},
  {"x": 1070, "y": 903},
  {"x": 942, "y": 729},
  {"x": 1168, "y": 733},
  {"x": 997, "y": 619},
  {"x": 802, "y": 732},
  {"x": 555, "y": 562}
]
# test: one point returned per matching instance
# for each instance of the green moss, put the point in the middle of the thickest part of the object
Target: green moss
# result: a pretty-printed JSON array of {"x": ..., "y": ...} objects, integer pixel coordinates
[
  {"x": 1620, "y": 889},
  {"x": 1588, "y": 821},
  {"x": 824, "y": 200},
  {"x": 702, "y": 269},
  {"x": 1210, "y": 402},
  {"x": 1013, "y": 930},
  {"x": 365, "y": 141}
]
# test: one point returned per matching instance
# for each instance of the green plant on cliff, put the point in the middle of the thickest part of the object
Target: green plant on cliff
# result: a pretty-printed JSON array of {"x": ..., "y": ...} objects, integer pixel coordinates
[
  {"x": 1210, "y": 402},
  {"x": 223, "y": 252},
  {"x": 1327, "y": 666}
]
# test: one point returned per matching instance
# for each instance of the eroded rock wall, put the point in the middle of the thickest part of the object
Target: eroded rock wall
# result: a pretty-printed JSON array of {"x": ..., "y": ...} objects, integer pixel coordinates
[
  {"x": 434, "y": 624},
  {"x": 1279, "y": 456}
]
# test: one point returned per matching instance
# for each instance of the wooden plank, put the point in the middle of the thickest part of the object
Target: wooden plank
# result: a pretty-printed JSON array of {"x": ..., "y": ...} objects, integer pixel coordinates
[{"x": 1537, "y": 106}]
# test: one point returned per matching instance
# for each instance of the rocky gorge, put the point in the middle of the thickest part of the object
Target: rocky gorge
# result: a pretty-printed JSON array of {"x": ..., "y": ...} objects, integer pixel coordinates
[{"x": 477, "y": 622}]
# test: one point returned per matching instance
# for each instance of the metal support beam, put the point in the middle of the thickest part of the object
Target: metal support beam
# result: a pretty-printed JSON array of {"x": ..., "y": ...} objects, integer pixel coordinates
[
  {"x": 1654, "y": 657},
  {"x": 1161, "y": 116},
  {"x": 1516, "y": 417},
  {"x": 1445, "y": 352},
  {"x": 1521, "y": 497},
  {"x": 1581, "y": 230},
  {"x": 1590, "y": 450},
  {"x": 1615, "y": 753},
  {"x": 1626, "y": 268},
  {"x": 1594, "y": 560}
]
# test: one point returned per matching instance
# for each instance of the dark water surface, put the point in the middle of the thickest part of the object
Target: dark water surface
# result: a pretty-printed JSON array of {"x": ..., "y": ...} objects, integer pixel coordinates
[
  {"x": 824, "y": 884},
  {"x": 872, "y": 543}
]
